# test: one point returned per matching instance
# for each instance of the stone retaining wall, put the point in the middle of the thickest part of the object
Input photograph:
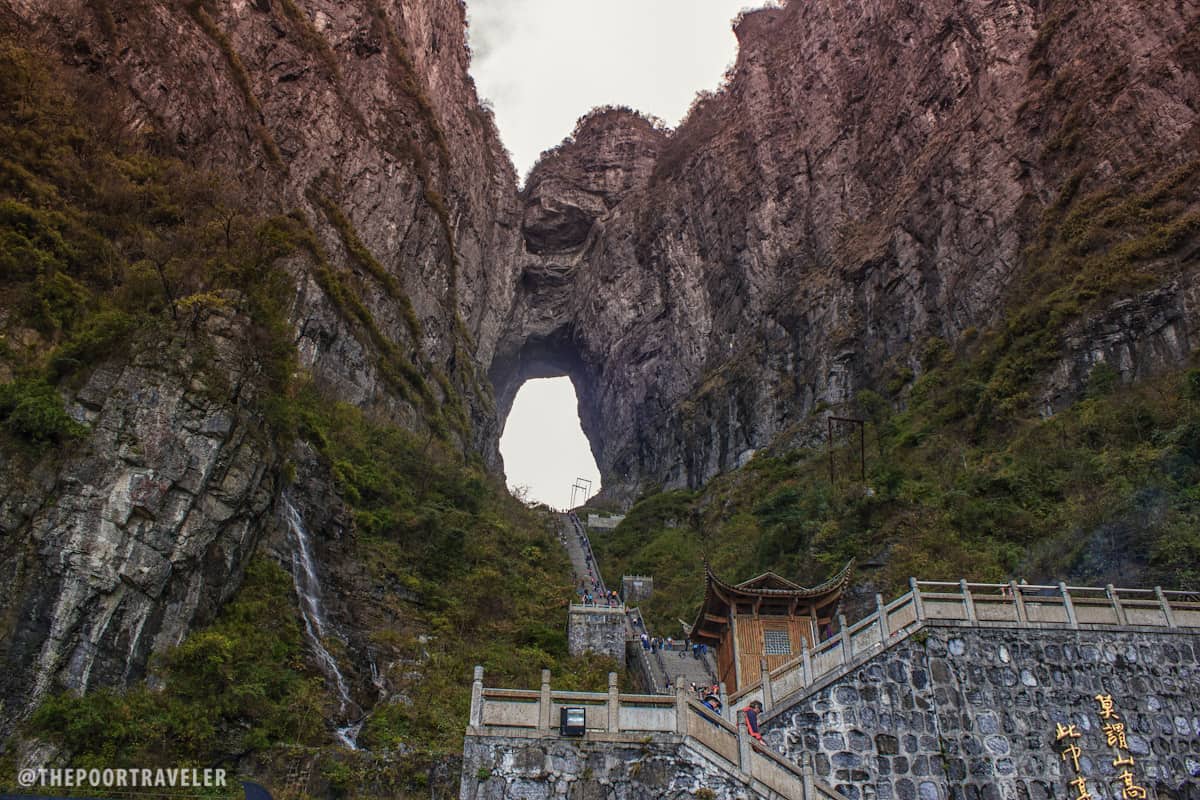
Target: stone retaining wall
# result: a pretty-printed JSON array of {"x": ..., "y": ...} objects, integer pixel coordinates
[
  {"x": 598, "y": 630},
  {"x": 960, "y": 713},
  {"x": 638, "y": 768}
]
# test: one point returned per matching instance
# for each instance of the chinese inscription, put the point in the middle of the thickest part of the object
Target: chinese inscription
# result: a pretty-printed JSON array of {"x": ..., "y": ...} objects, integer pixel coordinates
[{"x": 1113, "y": 728}]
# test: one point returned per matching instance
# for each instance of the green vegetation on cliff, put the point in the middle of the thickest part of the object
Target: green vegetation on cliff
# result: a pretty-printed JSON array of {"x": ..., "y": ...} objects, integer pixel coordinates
[
  {"x": 446, "y": 571},
  {"x": 1104, "y": 490},
  {"x": 239, "y": 685},
  {"x": 109, "y": 245},
  {"x": 457, "y": 572},
  {"x": 965, "y": 476},
  {"x": 102, "y": 237}
]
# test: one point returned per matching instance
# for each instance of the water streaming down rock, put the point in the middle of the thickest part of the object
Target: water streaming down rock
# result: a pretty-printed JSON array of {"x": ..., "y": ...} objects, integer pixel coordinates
[{"x": 308, "y": 590}]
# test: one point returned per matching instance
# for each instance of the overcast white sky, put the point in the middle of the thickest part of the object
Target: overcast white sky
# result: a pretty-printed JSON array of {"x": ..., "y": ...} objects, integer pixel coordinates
[
  {"x": 543, "y": 446},
  {"x": 543, "y": 64}
]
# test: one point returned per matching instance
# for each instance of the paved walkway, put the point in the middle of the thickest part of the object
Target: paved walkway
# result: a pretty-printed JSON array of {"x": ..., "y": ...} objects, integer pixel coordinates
[
  {"x": 668, "y": 666},
  {"x": 574, "y": 537},
  {"x": 664, "y": 666}
]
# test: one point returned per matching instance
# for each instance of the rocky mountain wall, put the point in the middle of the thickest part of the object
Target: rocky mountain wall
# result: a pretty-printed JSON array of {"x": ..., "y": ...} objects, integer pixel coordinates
[
  {"x": 358, "y": 120},
  {"x": 114, "y": 550},
  {"x": 873, "y": 175},
  {"x": 363, "y": 118}
]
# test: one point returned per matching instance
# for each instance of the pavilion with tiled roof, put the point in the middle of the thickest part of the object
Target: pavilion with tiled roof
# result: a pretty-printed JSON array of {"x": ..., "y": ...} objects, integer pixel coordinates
[{"x": 766, "y": 616}]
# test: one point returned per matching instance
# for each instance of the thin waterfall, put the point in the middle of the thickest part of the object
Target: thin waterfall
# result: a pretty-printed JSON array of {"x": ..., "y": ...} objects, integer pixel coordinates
[{"x": 308, "y": 590}]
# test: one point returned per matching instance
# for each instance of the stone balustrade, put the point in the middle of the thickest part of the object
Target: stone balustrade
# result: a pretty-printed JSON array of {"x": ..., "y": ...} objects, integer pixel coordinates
[
  {"x": 618, "y": 718},
  {"x": 972, "y": 604}
]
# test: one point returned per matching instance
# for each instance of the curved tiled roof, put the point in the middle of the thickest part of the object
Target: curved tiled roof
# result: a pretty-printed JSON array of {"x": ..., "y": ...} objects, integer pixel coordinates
[
  {"x": 771, "y": 585},
  {"x": 765, "y": 586}
]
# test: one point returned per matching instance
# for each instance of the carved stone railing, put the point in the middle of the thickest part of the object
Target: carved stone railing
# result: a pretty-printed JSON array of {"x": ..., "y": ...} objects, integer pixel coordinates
[
  {"x": 534, "y": 713},
  {"x": 971, "y": 604},
  {"x": 611, "y": 714}
]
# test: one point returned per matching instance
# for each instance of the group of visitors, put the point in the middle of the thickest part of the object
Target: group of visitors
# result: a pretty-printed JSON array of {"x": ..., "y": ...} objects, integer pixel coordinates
[
  {"x": 597, "y": 595},
  {"x": 591, "y": 590},
  {"x": 710, "y": 698},
  {"x": 656, "y": 643}
]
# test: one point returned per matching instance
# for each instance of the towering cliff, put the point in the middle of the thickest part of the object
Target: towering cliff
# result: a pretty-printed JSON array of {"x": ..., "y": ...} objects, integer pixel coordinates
[
  {"x": 356, "y": 129},
  {"x": 873, "y": 175},
  {"x": 223, "y": 218}
]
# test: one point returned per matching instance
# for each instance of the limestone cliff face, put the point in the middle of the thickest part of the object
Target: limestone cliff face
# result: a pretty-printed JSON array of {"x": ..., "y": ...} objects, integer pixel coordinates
[
  {"x": 871, "y": 177},
  {"x": 363, "y": 118},
  {"x": 360, "y": 120},
  {"x": 113, "y": 551}
]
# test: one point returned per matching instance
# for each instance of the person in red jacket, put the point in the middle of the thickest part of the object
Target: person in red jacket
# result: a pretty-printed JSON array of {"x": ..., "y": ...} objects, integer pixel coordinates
[{"x": 752, "y": 712}]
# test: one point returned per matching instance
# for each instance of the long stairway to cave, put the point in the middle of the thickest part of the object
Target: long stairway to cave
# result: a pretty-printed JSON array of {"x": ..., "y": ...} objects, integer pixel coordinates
[{"x": 661, "y": 669}]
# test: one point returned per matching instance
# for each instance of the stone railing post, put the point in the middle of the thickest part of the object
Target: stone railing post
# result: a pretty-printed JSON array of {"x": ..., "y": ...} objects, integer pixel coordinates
[
  {"x": 743, "y": 742},
  {"x": 885, "y": 630},
  {"x": 614, "y": 704},
  {"x": 476, "y": 720},
  {"x": 918, "y": 606},
  {"x": 723, "y": 696},
  {"x": 1168, "y": 614},
  {"x": 806, "y": 775},
  {"x": 968, "y": 602},
  {"x": 806, "y": 663},
  {"x": 765, "y": 680},
  {"x": 544, "y": 702},
  {"x": 847, "y": 645},
  {"x": 1116, "y": 604},
  {"x": 1018, "y": 602},
  {"x": 1072, "y": 619},
  {"x": 681, "y": 707}
]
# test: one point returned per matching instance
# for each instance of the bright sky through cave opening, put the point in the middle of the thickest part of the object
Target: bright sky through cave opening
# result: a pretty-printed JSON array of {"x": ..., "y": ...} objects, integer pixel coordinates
[{"x": 543, "y": 444}]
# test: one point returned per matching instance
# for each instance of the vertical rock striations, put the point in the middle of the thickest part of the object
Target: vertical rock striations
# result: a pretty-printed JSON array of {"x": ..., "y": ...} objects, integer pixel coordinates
[
  {"x": 114, "y": 550},
  {"x": 361, "y": 118},
  {"x": 872, "y": 175},
  {"x": 359, "y": 121}
]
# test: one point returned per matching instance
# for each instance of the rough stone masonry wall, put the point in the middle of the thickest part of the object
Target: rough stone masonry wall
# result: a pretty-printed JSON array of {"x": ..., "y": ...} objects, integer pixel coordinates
[
  {"x": 599, "y": 631},
  {"x": 970, "y": 714},
  {"x": 639, "y": 768}
]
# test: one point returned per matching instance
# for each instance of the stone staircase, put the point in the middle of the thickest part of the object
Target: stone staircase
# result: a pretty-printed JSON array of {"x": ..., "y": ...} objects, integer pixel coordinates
[
  {"x": 660, "y": 669},
  {"x": 701, "y": 750},
  {"x": 514, "y": 732}
]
